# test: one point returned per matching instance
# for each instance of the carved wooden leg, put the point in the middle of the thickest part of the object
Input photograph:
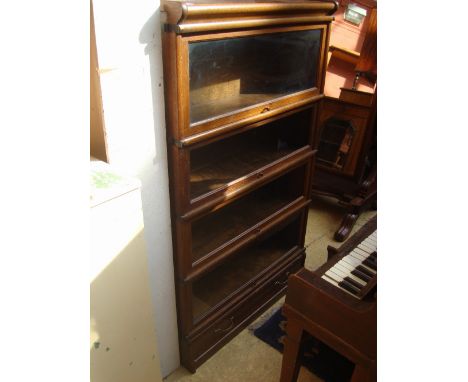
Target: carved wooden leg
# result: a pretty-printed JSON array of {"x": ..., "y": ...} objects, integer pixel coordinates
[
  {"x": 291, "y": 353},
  {"x": 346, "y": 226}
]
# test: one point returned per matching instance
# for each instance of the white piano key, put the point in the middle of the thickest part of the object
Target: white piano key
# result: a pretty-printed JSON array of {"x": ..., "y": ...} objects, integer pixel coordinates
[
  {"x": 365, "y": 248},
  {"x": 371, "y": 239},
  {"x": 371, "y": 244},
  {"x": 331, "y": 281},
  {"x": 361, "y": 252},
  {"x": 351, "y": 268},
  {"x": 337, "y": 272},
  {"x": 361, "y": 260},
  {"x": 342, "y": 268},
  {"x": 357, "y": 279},
  {"x": 353, "y": 262},
  {"x": 354, "y": 256},
  {"x": 352, "y": 259},
  {"x": 347, "y": 273},
  {"x": 338, "y": 276},
  {"x": 346, "y": 265},
  {"x": 364, "y": 281},
  {"x": 358, "y": 255},
  {"x": 334, "y": 276}
]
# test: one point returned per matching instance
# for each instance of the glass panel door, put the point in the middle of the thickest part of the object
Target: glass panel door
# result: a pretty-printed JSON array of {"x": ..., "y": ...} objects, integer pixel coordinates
[
  {"x": 230, "y": 74},
  {"x": 214, "y": 166}
]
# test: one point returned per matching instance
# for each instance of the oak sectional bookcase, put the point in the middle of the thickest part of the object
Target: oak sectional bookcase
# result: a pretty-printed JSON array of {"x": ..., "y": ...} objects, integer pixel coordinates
[{"x": 243, "y": 84}]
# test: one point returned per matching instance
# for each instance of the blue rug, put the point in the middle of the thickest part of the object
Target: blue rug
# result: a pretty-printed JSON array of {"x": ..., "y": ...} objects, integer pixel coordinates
[{"x": 320, "y": 359}]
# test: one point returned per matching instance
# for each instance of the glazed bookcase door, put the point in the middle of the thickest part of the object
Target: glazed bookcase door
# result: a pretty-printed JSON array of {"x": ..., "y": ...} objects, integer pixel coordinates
[
  {"x": 248, "y": 157},
  {"x": 240, "y": 274},
  {"x": 235, "y": 76},
  {"x": 224, "y": 232},
  {"x": 227, "y": 75}
]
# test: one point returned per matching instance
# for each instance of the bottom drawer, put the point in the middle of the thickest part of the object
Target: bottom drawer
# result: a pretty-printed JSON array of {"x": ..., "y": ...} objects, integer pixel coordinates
[{"x": 198, "y": 348}]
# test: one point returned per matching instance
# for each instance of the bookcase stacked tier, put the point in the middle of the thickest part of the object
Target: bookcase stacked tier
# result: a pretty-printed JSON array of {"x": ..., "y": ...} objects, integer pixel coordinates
[{"x": 243, "y": 87}]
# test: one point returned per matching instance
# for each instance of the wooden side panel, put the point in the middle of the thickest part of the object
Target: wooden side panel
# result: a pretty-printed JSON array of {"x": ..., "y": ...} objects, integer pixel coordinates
[
  {"x": 367, "y": 63},
  {"x": 98, "y": 147}
]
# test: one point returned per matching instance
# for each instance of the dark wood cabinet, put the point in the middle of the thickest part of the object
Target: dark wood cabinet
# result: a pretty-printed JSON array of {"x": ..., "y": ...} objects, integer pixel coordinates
[
  {"x": 347, "y": 129},
  {"x": 242, "y": 86}
]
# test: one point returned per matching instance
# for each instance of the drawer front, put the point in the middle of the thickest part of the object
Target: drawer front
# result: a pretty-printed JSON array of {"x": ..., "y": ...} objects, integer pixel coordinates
[{"x": 201, "y": 346}]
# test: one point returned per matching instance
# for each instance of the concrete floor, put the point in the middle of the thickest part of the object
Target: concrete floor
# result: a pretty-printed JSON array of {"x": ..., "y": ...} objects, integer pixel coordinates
[{"x": 246, "y": 358}]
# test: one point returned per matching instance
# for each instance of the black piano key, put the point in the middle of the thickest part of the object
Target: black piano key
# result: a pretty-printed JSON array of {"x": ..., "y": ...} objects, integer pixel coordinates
[
  {"x": 348, "y": 287},
  {"x": 370, "y": 264},
  {"x": 373, "y": 255},
  {"x": 353, "y": 282},
  {"x": 368, "y": 273},
  {"x": 372, "y": 261},
  {"x": 361, "y": 275}
]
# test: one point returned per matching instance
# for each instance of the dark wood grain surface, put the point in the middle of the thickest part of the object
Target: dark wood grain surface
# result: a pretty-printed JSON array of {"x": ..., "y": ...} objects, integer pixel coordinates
[{"x": 240, "y": 156}]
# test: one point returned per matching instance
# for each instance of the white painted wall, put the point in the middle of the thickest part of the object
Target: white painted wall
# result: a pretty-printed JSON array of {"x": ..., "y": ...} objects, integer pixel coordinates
[
  {"x": 128, "y": 39},
  {"x": 123, "y": 344}
]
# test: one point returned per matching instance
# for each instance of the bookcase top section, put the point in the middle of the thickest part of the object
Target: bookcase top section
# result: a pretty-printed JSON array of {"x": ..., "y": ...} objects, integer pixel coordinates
[{"x": 208, "y": 15}]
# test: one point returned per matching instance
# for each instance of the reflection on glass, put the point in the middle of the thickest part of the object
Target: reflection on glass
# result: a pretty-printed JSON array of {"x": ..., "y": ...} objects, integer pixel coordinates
[
  {"x": 230, "y": 74},
  {"x": 335, "y": 143}
]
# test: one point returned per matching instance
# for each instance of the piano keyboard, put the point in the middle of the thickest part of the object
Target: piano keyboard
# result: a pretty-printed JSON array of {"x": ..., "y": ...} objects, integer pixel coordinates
[{"x": 357, "y": 269}]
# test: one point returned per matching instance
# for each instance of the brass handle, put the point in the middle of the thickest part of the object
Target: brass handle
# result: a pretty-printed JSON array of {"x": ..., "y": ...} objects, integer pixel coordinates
[
  {"x": 265, "y": 109},
  {"x": 231, "y": 324},
  {"x": 260, "y": 174}
]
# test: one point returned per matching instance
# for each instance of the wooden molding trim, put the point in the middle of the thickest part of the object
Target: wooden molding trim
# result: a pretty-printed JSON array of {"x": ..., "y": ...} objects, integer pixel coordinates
[
  {"x": 353, "y": 53},
  {"x": 343, "y": 54},
  {"x": 194, "y": 139},
  {"x": 185, "y": 18}
]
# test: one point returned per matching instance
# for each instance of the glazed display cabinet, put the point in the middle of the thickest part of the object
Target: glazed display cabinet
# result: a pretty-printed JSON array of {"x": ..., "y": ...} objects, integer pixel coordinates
[{"x": 243, "y": 84}]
